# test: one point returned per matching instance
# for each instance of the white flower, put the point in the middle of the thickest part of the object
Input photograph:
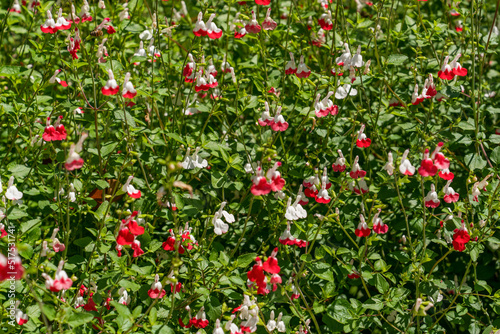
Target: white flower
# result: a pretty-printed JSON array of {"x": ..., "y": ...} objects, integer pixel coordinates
[
  {"x": 343, "y": 91},
  {"x": 271, "y": 324},
  {"x": 146, "y": 35},
  {"x": 12, "y": 193},
  {"x": 219, "y": 226}
]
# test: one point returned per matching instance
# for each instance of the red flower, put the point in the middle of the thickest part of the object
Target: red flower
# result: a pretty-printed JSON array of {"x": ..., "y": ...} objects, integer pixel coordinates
[
  {"x": 271, "y": 265},
  {"x": 460, "y": 238}
]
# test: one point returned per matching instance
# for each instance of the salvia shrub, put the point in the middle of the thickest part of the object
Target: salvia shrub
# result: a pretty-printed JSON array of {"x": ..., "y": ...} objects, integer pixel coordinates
[{"x": 277, "y": 166}]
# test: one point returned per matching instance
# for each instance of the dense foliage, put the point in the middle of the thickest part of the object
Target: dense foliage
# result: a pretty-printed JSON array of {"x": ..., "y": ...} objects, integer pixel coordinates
[{"x": 271, "y": 166}]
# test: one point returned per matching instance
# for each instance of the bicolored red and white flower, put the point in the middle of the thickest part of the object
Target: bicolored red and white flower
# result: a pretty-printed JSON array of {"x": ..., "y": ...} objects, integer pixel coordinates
[
  {"x": 201, "y": 82},
  {"x": 389, "y": 166},
  {"x": 302, "y": 70},
  {"x": 362, "y": 140},
  {"x": 199, "y": 321},
  {"x": 189, "y": 71},
  {"x": 446, "y": 72},
  {"x": 16, "y": 8},
  {"x": 480, "y": 185},
  {"x": 130, "y": 189},
  {"x": 459, "y": 27},
  {"x": 21, "y": 318},
  {"x": 457, "y": 68},
  {"x": 290, "y": 67},
  {"x": 124, "y": 14},
  {"x": 200, "y": 29},
  {"x": 219, "y": 226},
  {"x": 417, "y": 98},
  {"x": 85, "y": 12},
  {"x": 439, "y": 160},
  {"x": 240, "y": 33},
  {"x": 325, "y": 21},
  {"x": 61, "y": 280},
  {"x": 460, "y": 238},
  {"x": 394, "y": 102},
  {"x": 324, "y": 107},
  {"x": 295, "y": 211},
  {"x": 445, "y": 174},
  {"x": 378, "y": 225},
  {"x": 62, "y": 23},
  {"x": 286, "y": 238},
  {"x": 362, "y": 230},
  {"x": 57, "y": 246},
  {"x": 253, "y": 25},
  {"x": 279, "y": 123},
  {"x": 136, "y": 246},
  {"x": 453, "y": 12},
  {"x": 322, "y": 196},
  {"x": 128, "y": 91},
  {"x": 356, "y": 171},
  {"x": 405, "y": 166},
  {"x": 49, "y": 27},
  {"x": 274, "y": 177},
  {"x": 11, "y": 267},
  {"x": 339, "y": 164},
  {"x": 432, "y": 200},
  {"x": 111, "y": 87},
  {"x": 427, "y": 167},
  {"x": 12, "y": 193},
  {"x": 211, "y": 68},
  {"x": 360, "y": 188},
  {"x": 450, "y": 196},
  {"x": 265, "y": 118},
  {"x": 156, "y": 291},
  {"x": 225, "y": 66},
  {"x": 124, "y": 298},
  {"x": 213, "y": 32},
  {"x": 269, "y": 23},
  {"x": 3, "y": 232},
  {"x": 345, "y": 58},
  {"x": 55, "y": 79},
  {"x": 74, "y": 161}
]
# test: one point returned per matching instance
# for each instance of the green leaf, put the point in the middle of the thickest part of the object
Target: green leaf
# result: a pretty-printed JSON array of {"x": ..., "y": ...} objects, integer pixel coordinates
[
  {"x": 101, "y": 211},
  {"x": 341, "y": 310},
  {"x": 19, "y": 171},
  {"x": 121, "y": 309},
  {"x": 80, "y": 318},
  {"x": 374, "y": 304},
  {"x": 397, "y": 59},
  {"x": 15, "y": 213},
  {"x": 9, "y": 71},
  {"x": 495, "y": 155},
  {"x": 124, "y": 116},
  {"x": 49, "y": 311},
  {"x": 474, "y": 162},
  {"x": 244, "y": 260}
]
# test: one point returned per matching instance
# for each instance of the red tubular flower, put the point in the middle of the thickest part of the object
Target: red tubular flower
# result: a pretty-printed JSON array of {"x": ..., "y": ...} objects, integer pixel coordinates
[
  {"x": 440, "y": 161},
  {"x": 125, "y": 237},
  {"x": 431, "y": 200},
  {"x": 271, "y": 265},
  {"x": 445, "y": 174},
  {"x": 111, "y": 87},
  {"x": 49, "y": 27},
  {"x": 460, "y": 238},
  {"x": 427, "y": 167},
  {"x": 200, "y": 28},
  {"x": 256, "y": 274},
  {"x": 378, "y": 226},
  {"x": 263, "y": 2}
]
